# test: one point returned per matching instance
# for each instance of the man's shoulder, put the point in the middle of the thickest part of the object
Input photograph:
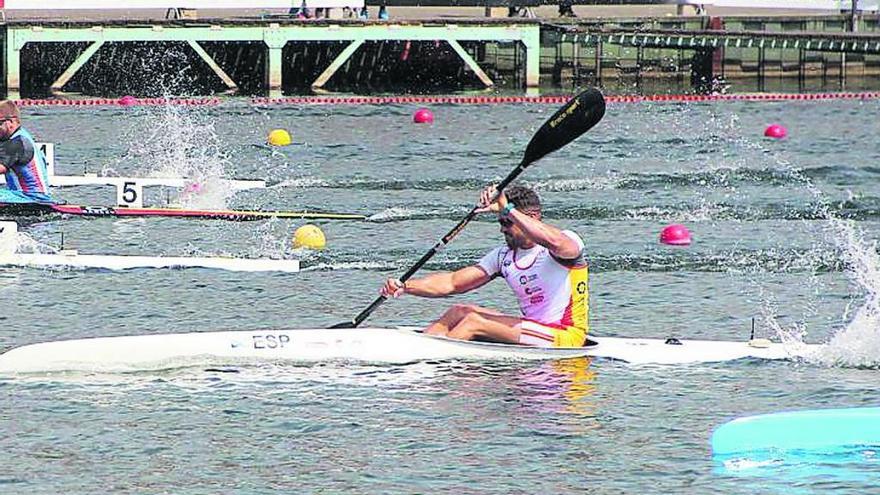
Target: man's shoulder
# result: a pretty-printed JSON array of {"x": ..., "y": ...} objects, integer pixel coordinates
[
  {"x": 499, "y": 248},
  {"x": 494, "y": 257},
  {"x": 16, "y": 151},
  {"x": 27, "y": 142},
  {"x": 580, "y": 258},
  {"x": 574, "y": 236}
]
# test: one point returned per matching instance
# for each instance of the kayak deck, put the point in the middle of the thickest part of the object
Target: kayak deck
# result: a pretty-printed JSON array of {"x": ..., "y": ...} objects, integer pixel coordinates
[
  {"x": 371, "y": 345},
  {"x": 129, "y": 262},
  {"x": 685, "y": 351}
]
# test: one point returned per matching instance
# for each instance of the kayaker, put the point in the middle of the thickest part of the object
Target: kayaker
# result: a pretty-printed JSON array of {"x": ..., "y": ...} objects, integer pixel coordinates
[
  {"x": 27, "y": 177},
  {"x": 544, "y": 266}
]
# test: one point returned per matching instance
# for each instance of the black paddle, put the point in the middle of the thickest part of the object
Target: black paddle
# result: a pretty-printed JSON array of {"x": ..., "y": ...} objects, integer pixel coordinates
[{"x": 575, "y": 118}]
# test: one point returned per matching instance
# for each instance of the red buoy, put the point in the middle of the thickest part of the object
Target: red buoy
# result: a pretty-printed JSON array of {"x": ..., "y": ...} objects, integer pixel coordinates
[
  {"x": 675, "y": 235},
  {"x": 127, "y": 100},
  {"x": 423, "y": 116},
  {"x": 775, "y": 131}
]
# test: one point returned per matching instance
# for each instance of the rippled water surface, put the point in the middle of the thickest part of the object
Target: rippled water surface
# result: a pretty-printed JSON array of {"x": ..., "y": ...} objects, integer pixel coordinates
[{"x": 783, "y": 233}]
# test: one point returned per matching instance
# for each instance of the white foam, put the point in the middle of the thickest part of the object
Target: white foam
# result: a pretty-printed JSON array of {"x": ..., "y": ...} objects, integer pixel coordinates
[
  {"x": 178, "y": 142},
  {"x": 745, "y": 464},
  {"x": 609, "y": 182},
  {"x": 349, "y": 265},
  {"x": 858, "y": 343},
  {"x": 394, "y": 213},
  {"x": 302, "y": 183}
]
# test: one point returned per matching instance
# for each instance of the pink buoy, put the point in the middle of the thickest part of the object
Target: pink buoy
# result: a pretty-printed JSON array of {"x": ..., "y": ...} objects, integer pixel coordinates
[
  {"x": 423, "y": 116},
  {"x": 775, "y": 131},
  {"x": 675, "y": 235},
  {"x": 127, "y": 101}
]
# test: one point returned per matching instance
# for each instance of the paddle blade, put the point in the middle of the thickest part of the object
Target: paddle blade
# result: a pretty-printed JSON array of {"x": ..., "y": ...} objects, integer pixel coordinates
[
  {"x": 575, "y": 118},
  {"x": 344, "y": 324}
]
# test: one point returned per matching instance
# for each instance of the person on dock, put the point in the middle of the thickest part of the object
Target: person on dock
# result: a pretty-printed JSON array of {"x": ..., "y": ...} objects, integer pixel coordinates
[
  {"x": 27, "y": 176},
  {"x": 544, "y": 266},
  {"x": 565, "y": 9}
]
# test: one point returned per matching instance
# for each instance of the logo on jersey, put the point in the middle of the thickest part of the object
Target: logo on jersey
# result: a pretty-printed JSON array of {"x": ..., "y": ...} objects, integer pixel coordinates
[{"x": 581, "y": 287}]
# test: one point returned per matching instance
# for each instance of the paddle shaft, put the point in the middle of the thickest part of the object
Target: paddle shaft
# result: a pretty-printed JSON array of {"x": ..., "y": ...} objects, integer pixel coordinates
[{"x": 363, "y": 315}]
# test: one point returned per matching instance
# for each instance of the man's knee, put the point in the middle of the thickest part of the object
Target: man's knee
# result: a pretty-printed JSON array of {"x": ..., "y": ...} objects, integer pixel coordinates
[
  {"x": 469, "y": 326},
  {"x": 473, "y": 318},
  {"x": 461, "y": 311}
]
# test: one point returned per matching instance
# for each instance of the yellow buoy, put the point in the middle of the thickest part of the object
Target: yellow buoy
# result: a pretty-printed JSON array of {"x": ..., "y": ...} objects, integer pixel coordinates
[
  {"x": 279, "y": 137},
  {"x": 309, "y": 236}
]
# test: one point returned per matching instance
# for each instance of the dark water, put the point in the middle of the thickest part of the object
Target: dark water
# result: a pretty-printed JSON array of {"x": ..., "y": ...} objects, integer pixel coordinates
[{"x": 764, "y": 248}]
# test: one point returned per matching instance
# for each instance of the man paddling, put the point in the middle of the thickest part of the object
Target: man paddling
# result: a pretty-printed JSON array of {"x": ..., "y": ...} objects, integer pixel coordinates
[
  {"x": 544, "y": 266},
  {"x": 27, "y": 177}
]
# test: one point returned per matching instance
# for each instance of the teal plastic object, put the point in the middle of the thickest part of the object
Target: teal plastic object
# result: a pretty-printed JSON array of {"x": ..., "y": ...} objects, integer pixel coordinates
[{"x": 816, "y": 429}]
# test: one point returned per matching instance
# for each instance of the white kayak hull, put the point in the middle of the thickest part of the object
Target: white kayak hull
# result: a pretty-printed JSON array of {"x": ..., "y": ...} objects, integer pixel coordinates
[
  {"x": 120, "y": 182},
  {"x": 370, "y": 345},
  {"x": 686, "y": 351},
  {"x": 117, "y": 262}
]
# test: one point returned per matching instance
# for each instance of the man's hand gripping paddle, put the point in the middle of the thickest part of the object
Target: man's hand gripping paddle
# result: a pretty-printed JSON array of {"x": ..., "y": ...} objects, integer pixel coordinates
[{"x": 578, "y": 116}]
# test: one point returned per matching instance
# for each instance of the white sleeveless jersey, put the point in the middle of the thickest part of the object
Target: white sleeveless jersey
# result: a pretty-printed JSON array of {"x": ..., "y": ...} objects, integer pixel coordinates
[{"x": 550, "y": 291}]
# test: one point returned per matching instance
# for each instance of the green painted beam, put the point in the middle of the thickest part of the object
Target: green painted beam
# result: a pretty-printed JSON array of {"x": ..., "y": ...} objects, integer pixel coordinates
[
  {"x": 470, "y": 62},
  {"x": 532, "y": 41},
  {"x": 77, "y": 64},
  {"x": 13, "y": 67},
  {"x": 274, "y": 72},
  {"x": 272, "y": 34},
  {"x": 230, "y": 84},
  {"x": 336, "y": 64}
]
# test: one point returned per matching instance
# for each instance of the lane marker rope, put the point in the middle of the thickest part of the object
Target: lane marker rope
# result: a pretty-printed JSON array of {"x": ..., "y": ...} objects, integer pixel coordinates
[{"x": 454, "y": 100}]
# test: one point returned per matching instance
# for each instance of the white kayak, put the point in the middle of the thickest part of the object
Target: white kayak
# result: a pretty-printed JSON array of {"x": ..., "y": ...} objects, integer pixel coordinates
[
  {"x": 131, "y": 183},
  {"x": 73, "y": 260},
  {"x": 369, "y": 345}
]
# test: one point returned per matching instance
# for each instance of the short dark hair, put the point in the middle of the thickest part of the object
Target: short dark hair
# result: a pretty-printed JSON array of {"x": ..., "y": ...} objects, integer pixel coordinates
[{"x": 523, "y": 198}]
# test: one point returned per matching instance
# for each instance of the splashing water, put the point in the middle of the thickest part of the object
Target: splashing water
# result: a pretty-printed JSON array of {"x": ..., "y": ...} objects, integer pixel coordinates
[
  {"x": 24, "y": 243},
  {"x": 205, "y": 193},
  {"x": 393, "y": 213},
  {"x": 303, "y": 183},
  {"x": 180, "y": 144},
  {"x": 273, "y": 240},
  {"x": 857, "y": 344}
]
